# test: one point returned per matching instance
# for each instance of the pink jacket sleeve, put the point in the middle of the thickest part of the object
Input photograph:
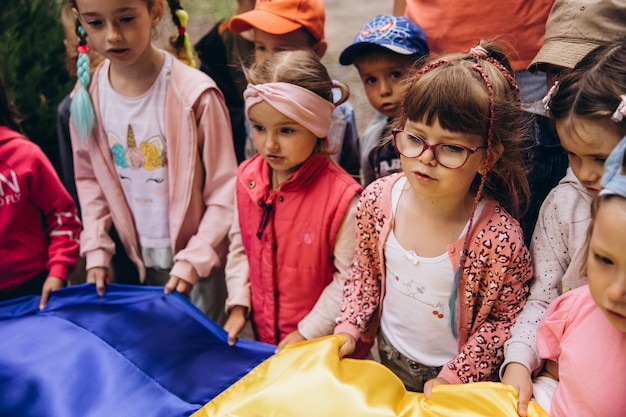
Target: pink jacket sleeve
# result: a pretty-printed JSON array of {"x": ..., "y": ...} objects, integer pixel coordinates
[
  {"x": 362, "y": 290},
  {"x": 206, "y": 249},
  {"x": 96, "y": 244},
  {"x": 553, "y": 325}
]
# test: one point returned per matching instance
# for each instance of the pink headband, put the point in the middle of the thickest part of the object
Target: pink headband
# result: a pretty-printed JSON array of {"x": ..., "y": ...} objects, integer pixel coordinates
[{"x": 303, "y": 106}]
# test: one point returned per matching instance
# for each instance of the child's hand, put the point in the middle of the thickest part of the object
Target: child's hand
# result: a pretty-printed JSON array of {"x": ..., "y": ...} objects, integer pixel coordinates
[
  {"x": 100, "y": 277},
  {"x": 428, "y": 386},
  {"x": 178, "y": 284},
  {"x": 50, "y": 284},
  {"x": 235, "y": 323},
  {"x": 293, "y": 337},
  {"x": 349, "y": 344},
  {"x": 519, "y": 377}
]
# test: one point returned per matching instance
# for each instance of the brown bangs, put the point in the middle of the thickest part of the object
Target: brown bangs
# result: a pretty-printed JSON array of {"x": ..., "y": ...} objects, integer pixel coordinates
[{"x": 447, "y": 97}]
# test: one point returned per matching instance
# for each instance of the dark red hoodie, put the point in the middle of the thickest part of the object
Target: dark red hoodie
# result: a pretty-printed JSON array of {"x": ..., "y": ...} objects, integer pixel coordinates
[{"x": 39, "y": 226}]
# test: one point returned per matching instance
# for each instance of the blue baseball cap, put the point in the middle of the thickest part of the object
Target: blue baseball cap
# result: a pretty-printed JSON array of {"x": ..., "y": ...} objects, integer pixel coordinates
[
  {"x": 396, "y": 33},
  {"x": 614, "y": 178}
]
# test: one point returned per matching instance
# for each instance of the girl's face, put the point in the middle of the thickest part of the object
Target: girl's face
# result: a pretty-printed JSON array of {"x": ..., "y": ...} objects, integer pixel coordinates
[
  {"x": 427, "y": 177},
  {"x": 282, "y": 142},
  {"x": 121, "y": 30},
  {"x": 606, "y": 261},
  {"x": 588, "y": 144}
]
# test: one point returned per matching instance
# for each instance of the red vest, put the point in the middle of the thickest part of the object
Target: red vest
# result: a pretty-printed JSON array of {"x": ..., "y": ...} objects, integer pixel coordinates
[{"x": 289, "y": 238}]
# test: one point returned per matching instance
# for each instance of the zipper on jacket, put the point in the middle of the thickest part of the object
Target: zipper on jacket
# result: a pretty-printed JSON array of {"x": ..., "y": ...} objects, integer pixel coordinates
[{"x": 267, "y": 210}]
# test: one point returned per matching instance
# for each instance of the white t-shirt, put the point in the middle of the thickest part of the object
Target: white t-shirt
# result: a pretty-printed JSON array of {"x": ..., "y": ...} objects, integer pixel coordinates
[
  {"x": 416, "y": 314},
  {"x": 135, "y": 130}
]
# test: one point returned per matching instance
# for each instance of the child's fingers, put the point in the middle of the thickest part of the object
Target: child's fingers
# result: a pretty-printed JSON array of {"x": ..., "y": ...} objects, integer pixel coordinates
[
  {"x": 44, "y": 299},
  {"x": 232, "y": 338},
  {"x": 348, "y": 345},
  {"x": 430, "y": 384},
  {"x": 171, "y": 284},
  {"x": 99, "y": 277}
]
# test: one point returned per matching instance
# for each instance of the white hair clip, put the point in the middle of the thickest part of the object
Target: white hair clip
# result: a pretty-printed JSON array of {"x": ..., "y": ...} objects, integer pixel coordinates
[
  {"x": 548, "y": 97},
  {"x": 479, "y": 52},
  {"x": 620, "y": 111}
]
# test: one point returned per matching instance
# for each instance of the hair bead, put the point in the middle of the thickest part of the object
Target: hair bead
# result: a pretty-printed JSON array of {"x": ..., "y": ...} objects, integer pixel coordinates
[{"x": 620, "y": 111}]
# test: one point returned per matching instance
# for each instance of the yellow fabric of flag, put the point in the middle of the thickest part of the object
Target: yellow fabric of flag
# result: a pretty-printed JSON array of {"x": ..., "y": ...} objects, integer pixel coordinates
[{"x": 308, "y": 379}]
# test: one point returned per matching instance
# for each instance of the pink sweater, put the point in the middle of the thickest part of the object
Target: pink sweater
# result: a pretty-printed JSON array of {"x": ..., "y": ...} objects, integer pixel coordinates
[
  {"x": 492, "y": 288},
  {"x": 576, "y": 334}
]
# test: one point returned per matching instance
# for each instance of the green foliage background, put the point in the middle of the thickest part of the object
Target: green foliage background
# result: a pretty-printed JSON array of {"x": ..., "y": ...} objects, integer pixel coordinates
[{"x": 31, "y": 63}]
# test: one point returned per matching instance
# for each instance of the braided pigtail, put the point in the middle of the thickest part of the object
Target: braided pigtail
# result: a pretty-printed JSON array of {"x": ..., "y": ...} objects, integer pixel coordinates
[
  {"x": 181, "y": 43},
  {"x": 452, "y": 301},
  {"x": 81, "y": 108}
]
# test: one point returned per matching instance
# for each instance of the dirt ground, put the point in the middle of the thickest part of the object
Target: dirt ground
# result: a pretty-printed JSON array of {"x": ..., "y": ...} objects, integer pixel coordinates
[{"x": 344, "y": 18}]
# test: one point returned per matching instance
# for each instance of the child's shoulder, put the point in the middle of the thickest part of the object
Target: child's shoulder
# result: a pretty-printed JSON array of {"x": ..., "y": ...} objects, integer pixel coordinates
[
  {"x": 495, "y": 221},
  {"x": 10, "y": 139},
  {"x": 569, "y": 306},
  {"x": 339, "y": 174},
  {"x": 384, "y": 183},
  {"x": 569, "y": 189},
  {"x": 189, "y": 79},
  {"x": 378, "y": 192}
]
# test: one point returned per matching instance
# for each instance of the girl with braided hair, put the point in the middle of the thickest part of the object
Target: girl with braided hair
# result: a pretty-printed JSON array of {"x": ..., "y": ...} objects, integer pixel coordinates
[
  {"x": 153, "y": 151},
  {"x": 441, "y": 268}
]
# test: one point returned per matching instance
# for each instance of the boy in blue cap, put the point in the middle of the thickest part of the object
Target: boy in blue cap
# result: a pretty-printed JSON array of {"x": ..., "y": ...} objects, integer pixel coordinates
[{"x": 383, "y": 52}]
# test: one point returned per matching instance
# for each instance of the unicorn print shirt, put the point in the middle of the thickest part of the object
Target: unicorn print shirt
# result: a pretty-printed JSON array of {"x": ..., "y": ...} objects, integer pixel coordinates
[{"x": 135, "y": 131}]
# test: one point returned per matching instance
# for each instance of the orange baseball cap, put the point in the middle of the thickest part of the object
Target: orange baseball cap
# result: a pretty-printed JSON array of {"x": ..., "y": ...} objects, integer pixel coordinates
[{"x": 278, "y": 17}]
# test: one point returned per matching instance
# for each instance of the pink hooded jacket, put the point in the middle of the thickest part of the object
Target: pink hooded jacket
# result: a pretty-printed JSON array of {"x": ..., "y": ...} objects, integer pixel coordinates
[
  {"x": 202, "y": 170},
  {"x": 492, "y": 287}
]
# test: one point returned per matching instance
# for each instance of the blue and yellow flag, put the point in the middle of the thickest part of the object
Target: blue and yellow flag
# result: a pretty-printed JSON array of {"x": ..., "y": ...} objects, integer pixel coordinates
[
  {"x": 134, "y": 352},
  {"x": 309, "y": 380},
  {"x": 139, "y": 353}
]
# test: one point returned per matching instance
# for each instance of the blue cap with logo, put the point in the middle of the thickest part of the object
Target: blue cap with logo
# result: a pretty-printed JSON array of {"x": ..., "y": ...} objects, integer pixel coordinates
[
  {"x": 396, "y": 33},
  {"x": 614, "y": 178}
]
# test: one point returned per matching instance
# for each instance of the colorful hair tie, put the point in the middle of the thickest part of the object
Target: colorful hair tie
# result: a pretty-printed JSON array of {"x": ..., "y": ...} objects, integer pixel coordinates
[
  {"x": 81, "y": 108},
  {"x": 429, "y": 67},
  {"x": 548, "y": 97},
  {"x": 186, "y": 54},
  {"x": 479, "y": 52},
  {"x": 620, "y": 111}
]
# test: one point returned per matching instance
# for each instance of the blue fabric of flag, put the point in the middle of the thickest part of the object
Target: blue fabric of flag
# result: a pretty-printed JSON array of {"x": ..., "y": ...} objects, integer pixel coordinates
[{"x": 132, "y": 352}]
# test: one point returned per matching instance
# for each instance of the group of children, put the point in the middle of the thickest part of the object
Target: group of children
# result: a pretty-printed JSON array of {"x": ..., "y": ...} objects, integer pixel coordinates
[{"x": 429, "y": 261}]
